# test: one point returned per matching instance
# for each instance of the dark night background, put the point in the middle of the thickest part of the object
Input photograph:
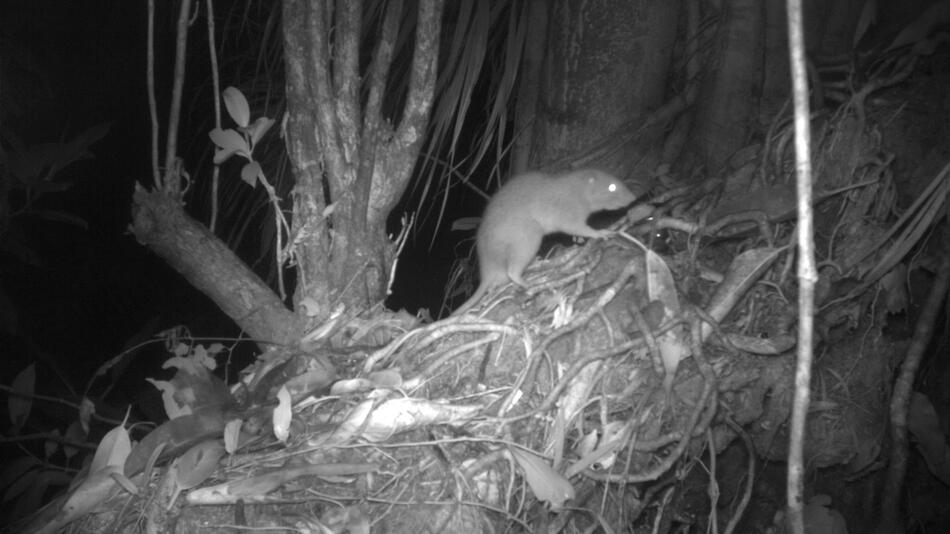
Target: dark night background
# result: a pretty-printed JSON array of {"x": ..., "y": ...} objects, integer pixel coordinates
[
  {"x": 88, "y": 293},
  {"x": 83, "y": 63}
]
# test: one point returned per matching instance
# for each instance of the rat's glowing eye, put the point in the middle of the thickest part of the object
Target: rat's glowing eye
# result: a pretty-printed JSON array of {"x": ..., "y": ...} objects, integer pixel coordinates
[{"x": 612, "y": 188}]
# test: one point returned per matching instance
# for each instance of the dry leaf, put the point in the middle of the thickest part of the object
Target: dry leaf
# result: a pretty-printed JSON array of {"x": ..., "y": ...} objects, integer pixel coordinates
[
  {"x": 232, "y": 435},
  {"x": 547, "y": 484},
  {"x": 282, "y": 416},
  {"x": 86, "y": 410}
]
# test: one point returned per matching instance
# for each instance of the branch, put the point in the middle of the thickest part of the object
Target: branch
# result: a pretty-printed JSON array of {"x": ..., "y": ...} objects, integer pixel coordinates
[
  {"x": 391, "y": 175},
  {"x": 346, "y": 75},
  {"x": 320, "y": 73},
  {"x": 425, "y": 59},
  {"x": 379, "y": 71},
  {"x": 900, "y": 399},
  {"x": 171, "y": 183},
  {"x": 374, "y": 128}
]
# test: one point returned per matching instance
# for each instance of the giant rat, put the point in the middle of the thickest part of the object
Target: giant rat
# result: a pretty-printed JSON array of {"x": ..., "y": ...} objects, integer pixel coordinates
[{"x": 530, "y": 206}]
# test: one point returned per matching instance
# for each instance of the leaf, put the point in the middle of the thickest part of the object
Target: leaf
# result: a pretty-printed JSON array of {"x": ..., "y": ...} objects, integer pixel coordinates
[
  {"x": 282, "y": 416},
  {"x": 250, "y": 173},
  {"x": 387, "y": 378},
  {"x": 259, "y": 128},
  {"x": 232, "y": 435},
  {"x": 662, "y": 288},
  {"x": 586, "y": 444},
  {"x": 173, "y": 408},
  {"x": 16, "y": 476},
  {"x": 32, "y": 498},
  {"x": 229, "y": 142},
  {"x": 198, "y": 462},
  {"x": 61, "y": 217},
  {"x": 20, "y": 401},
  {"x": 22, "y": 485},
  {"x": 29, "y": 164},
  {"x": 547, "y": 484},
  {"x": 920, "y": 28},
  {"x": 50, "y": 446},
  {"x": 660, "y": 283},
  {"x": 867, "y": 19},
  {"x": 237, "y": 106},
  {"x": 350, "y": 385},
  {"x": 181, "y": 349},
  {"x": 465, "y": 223},
  {"x": 193, "y": 387},
  {"x": 94, "y": 133},
  {"x": 327, "y": 211},
  {"x": 202, "y": 356},
  {"x": 86, "y": 410},
  {"x": 112, "y": 450}
]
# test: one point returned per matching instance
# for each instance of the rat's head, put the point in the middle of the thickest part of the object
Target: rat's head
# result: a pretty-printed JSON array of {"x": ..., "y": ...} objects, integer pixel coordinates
[{"x": 605, "y": 191}]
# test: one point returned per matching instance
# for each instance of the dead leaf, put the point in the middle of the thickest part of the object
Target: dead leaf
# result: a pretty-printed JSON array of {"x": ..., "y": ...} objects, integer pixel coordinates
[
  {"x": 232, "y": 435},
  {"x": 661, "y": 287},
  {"x": 282, "y": 415},
  {"x": 547, "y": 484}
]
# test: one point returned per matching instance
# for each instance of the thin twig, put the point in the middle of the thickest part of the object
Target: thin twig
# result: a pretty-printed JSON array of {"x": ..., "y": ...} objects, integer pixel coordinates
[
  {"x": 216, "y": 88},
  {"x": 150, "y": 83},
  {"x": 750, "y": 479},
  {"x": 170, "y": 182}
]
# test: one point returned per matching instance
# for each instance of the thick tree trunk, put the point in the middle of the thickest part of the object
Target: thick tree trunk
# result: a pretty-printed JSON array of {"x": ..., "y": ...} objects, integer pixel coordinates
[
  {"x": 351, "y": 164},
  {"x": 733, "y": 81},
  {"x": 605, "y": 67}
]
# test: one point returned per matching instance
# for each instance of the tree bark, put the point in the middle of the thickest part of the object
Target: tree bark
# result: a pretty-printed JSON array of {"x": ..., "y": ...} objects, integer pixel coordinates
[
  {"x": 733, "y": 81},
  {"x": 606, "y": 66},
  {"x": 351, "y": 165},
  {"x": 160, "y": 223}
]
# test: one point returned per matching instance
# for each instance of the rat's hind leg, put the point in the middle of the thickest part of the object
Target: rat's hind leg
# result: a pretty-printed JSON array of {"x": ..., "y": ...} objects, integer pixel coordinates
[{"x": 519, "y": 256}]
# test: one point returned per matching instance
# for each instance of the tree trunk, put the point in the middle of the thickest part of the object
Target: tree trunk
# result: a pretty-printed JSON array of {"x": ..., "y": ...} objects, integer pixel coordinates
[
  {"x": 351, "y": 165},
  {"x": 351, "y": 160},
  {"x": 605, "y": 67},
  {"x": 733, "y": 81}
]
